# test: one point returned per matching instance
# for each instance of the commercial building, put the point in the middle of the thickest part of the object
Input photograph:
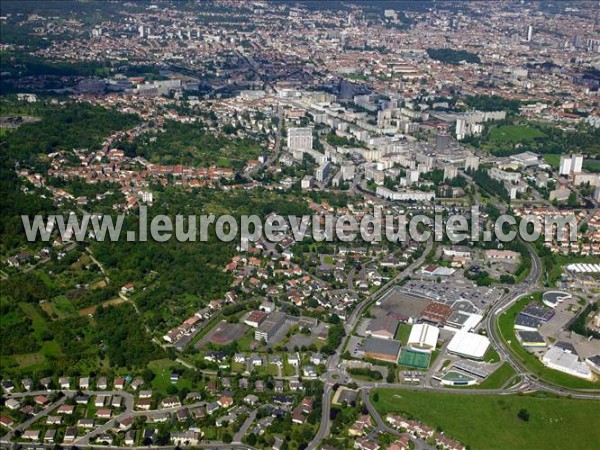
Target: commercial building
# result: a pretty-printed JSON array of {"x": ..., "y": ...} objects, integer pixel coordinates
[
  {"x": 383, "y": 327},
  {"x": 462, "y": 321},
  {"x": 469, "y": 345},
  {"x": 564, "y": 361},
  {"x": 552, "y": 298},
  {"x": 383, "y": 349},
  {"x": 530, "y": 339},
  {"x": 436, "y": 313},
  {"x": 423, "y": 337}
]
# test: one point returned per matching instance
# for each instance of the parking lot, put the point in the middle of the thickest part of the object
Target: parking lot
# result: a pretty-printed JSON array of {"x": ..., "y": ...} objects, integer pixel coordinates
[
  {"x": 399, "y": 301},
  {"x": 555, "y": 329},
  {"x": 355, "y": 347},
  {"x": 455, "y": 291}
]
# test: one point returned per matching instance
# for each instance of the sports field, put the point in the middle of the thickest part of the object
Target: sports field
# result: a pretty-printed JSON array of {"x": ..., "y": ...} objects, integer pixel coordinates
[
  {"x": 490, "y": 422},
  {"x": 418, "y": 360},
  {"x": 513, "y": 134}
]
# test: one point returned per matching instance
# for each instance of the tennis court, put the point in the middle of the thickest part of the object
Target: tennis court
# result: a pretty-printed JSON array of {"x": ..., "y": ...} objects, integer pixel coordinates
[{"x": 418, "y": 360}]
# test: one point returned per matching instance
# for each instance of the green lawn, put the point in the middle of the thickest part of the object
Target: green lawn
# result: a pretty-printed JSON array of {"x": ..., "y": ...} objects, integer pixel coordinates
[
  {"x": 162, "y": 370},
  {"x": 491, "y": 355},
  {"x": 403, "y": 333},
  {"x": 593, "y": 165},
  {"x": 513, "y": 134},
  {"x": 62, "y": 307},
  {"x": 490, "y": 421},
  {"x": 552, "y": 159},
  {"x": 506, "y": 322},
  {"x": 497, "y": 379}
]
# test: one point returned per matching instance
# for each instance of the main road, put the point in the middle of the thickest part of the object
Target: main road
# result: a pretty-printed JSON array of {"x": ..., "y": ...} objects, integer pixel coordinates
[
  {"x": 529, "y": 285},
  {"x": 334, "y": 360}
]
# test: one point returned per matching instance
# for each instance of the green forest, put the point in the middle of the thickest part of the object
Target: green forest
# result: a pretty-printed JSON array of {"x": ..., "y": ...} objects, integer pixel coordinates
[
  {"x": 61, "y": 127},
  {"x": 510, "y": 137},
  {"x": 192, "y": 144},
  {"x": 449, "y": 56}
]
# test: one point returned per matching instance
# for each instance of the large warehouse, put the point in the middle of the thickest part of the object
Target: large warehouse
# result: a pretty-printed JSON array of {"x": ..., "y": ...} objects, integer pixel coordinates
[
  {"x": 469, "y": 345},
  {"x": 423, "y": 337},
  {"x": 558, "y": 359}
]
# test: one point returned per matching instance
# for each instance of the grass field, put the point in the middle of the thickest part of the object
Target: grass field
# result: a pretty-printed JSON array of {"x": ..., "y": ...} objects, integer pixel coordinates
[
  {"x": 552, "y": 159},
  {"x": 30, "y": 359},
  {"x": 497, "y": 379},
  {"x": 593, "y": 165},
  {"x": 491, "y": 355},
  {"x": 162, "y": 370},
  {"x": 513, "y": 134},
  {"x": 490, "y": 422},
  {"x": 403, "y": 333},
  {"x": 4, "y": 131},
  {"x": 62, "y": 307},
  {"x": 414, "y": 359},
  {"x": 506, "y": 322}
]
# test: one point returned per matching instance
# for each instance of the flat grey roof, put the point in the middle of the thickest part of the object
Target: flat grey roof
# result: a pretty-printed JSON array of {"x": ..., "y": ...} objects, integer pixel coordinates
[{"x": 382, "y": 346}]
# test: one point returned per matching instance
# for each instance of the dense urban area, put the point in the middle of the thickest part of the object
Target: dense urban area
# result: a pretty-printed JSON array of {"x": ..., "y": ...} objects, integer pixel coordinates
[{"x": 335, "y": 108}]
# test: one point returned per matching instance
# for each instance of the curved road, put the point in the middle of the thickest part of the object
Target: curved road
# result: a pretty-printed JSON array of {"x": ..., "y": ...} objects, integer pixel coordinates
[{"x": 527, "y": 383}]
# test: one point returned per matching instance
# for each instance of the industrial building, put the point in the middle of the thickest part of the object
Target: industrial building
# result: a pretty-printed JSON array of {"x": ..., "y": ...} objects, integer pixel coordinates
[
  {"x": 594, "y": 363},
  {"x": 526, "y": 323},
  {"x": 540, "y": 312}
]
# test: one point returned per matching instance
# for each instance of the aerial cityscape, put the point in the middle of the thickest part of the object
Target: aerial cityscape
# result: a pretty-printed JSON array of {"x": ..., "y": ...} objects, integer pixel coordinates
[{"x": 295, "y": 225}]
